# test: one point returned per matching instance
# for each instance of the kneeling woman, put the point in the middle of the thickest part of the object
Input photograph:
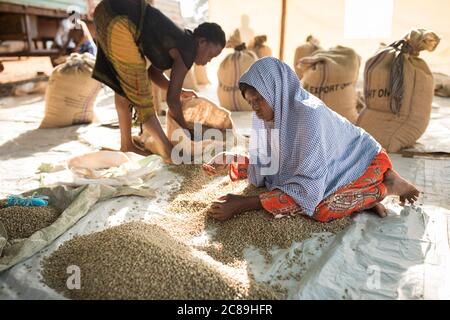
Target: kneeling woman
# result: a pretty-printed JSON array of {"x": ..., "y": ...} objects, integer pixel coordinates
[{"x": 327, "y": 168}]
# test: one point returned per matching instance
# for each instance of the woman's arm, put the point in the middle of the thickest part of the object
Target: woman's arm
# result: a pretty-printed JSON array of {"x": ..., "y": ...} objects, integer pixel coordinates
[
  {"x": 158, "y": 77},
  {"x": 179, "y": 71},
  {"x": 63, "y": 49},
  {"x": 230, "y": 205},
  {"x": 161, "y": 80},
  {"x": 222, "y": 161},
  {"x": 275, "y": 202}
]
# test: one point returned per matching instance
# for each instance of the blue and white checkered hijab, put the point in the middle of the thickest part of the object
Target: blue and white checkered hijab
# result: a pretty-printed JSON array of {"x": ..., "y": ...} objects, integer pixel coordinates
[{"x": 318, "y": 150}]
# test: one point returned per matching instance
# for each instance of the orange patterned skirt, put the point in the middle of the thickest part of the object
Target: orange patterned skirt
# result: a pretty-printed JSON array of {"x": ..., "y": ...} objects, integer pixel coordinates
[{"x": 359, "y": 195}]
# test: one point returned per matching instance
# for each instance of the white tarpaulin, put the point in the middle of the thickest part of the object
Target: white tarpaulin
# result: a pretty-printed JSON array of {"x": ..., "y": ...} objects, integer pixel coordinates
[
  {"x": 437, "y": 136},
  {"x": 404, "y": 256}
]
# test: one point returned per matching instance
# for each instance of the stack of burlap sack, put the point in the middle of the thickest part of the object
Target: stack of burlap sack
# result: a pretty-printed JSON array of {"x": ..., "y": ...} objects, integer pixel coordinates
[
  {"x": 258, "y": 46},
  {"x": 305, "y": 50},
  {"x": 398, "y": 86},
  {"x": 71, "y": 93},
  {"x": 331, "y": 76},
  {"x": 230, "y": 71},
  {"x": 398, "y": 90}
]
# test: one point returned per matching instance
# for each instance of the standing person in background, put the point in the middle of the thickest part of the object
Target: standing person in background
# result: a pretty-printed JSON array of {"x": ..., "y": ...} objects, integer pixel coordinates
[
  {"x": 82, "y": 38},
  {"x": 136, "y": 44},
  {"x": 247, "y": 33}
]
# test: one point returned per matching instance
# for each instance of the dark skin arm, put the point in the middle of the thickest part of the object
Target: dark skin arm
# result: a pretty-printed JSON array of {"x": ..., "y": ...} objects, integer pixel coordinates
[
  {"x": 63, "y": 49},
  {"x": 174, "y": 86},
  {"x": 230, "y": 205},
  {"x": 77, "y": 37},
  {"x": 158, "y": 77}
]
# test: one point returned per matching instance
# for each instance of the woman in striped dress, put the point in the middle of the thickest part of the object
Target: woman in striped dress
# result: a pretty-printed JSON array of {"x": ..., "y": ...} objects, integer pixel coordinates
[{"x": 312, "y": 160}]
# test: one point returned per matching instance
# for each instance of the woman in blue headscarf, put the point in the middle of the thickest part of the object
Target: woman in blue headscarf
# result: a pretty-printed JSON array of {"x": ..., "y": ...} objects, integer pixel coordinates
[{"x": 312, "y": 160}]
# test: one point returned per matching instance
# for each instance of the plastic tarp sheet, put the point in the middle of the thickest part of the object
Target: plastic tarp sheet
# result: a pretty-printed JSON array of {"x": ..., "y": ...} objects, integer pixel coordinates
[
  {"x": 436, "y": 138},
  {"x": 23, "y": 281},
  {"x": 403, "y": 256},
  {"x": 75, "y": 203}
]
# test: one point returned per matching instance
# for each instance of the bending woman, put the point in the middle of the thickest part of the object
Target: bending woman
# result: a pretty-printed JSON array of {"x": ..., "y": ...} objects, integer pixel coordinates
[
  {"x": 137, "y": 42},
  {"x": 326, "y": 167}
]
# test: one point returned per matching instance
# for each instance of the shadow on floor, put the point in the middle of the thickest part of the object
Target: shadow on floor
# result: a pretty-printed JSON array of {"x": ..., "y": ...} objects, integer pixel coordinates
[{"x": 37, "y": 141}]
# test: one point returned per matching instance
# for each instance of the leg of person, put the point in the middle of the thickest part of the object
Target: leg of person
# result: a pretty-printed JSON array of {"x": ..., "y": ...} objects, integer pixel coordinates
[
  {"x": 163, "y": 145},
  {"x": 398, "y": 186},
  {"x": 365, "y": 193},
  {"x": 124, "y": 70},
  {"x": 279, "y": 204},
  {"x": 379, "y": 209},
  {"x": 346, "y": 202},
  {"x": 124, "y": 115}
]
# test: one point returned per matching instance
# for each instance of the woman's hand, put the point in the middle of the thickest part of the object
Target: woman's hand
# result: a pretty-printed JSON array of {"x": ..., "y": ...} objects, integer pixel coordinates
[
  {"x": 230, "y": 205},
  {"x": 226, "y": 207},
  {"x": 177, "y": 114},
  {"x": 188, "y": 94},
  {"x": 217, "y": 164}
]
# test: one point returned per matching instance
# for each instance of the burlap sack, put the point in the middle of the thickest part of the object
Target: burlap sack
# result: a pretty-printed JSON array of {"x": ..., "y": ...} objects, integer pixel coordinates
[
  {"x": 259, "y": 48},
  {"x": 441, "y": 84},
  {"x": 195, "y": 110},
  {"x": 229, "y": 73},
  {"x": 305, "y": 50},
  {"x": 331, "y": 76},
  {"x": 71, "y": 93},
  {"x": 160, "y": 95},
  {"x": 398, "y": 90},
  {"x": 201, "y": 75},
  {"x": 190, "y": 81}
]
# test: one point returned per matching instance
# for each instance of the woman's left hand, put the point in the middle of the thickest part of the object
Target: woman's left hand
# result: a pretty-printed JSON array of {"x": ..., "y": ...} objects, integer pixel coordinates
[
  {"x": 227, "y": 207},
  {"x": 216, "y": 165},
  {"x": 187, "y": 94}
]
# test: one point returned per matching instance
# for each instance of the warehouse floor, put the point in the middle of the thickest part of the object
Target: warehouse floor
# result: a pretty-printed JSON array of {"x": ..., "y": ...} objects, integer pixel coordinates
[{"x": 404, "y": 256}]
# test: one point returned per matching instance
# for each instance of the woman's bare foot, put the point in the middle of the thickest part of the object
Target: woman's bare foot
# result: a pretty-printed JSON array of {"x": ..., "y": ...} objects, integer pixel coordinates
[
  {"x": 379, "y": 209},
  {"x": 158, "y": 150},
  {"x": 398, "y": 186},
  {"x": 136, "y": 149}
]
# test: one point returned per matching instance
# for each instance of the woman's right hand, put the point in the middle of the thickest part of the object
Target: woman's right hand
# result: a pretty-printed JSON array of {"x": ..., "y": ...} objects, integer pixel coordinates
[{"x": 177, "y": 115}]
